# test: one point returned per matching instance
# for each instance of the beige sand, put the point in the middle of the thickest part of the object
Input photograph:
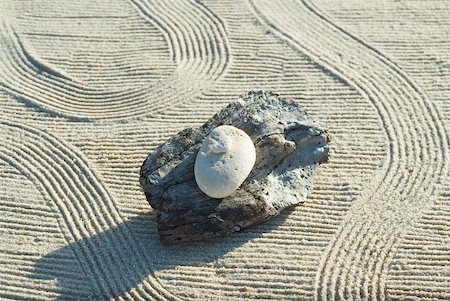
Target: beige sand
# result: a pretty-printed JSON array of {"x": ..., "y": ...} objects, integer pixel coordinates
[{"x": 89, "y": 88}]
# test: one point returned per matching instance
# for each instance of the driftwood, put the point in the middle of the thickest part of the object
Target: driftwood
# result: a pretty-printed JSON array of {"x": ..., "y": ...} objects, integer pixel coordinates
[{"x": 289, "y": 145}]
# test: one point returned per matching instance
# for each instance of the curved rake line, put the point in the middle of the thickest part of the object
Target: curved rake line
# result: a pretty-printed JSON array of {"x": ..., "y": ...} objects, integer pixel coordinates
[
  {"x": 33, "y": 160},
  {"x": 294, "y": 44},
  {"x": 180, "y": 32},
  {"x": 438, "y": 131}
]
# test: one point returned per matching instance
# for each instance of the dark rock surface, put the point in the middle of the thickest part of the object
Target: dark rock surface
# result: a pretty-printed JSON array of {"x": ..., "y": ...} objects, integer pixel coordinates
[{"x": 289, "y": 146}]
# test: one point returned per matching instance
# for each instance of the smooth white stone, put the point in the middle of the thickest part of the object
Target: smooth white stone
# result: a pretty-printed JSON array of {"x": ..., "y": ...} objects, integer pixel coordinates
[{"x": 225, "y": 159}]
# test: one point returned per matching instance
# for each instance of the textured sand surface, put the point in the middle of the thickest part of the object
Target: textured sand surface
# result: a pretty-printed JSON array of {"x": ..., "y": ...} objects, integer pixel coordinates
[{"x": 89, "y": 88}]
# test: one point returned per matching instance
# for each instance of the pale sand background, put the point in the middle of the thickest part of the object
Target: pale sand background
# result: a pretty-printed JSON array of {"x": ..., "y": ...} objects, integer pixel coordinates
[{"x": 89, "y": 88}]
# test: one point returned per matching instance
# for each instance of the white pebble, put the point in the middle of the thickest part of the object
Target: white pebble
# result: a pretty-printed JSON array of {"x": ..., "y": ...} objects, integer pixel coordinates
[{"x": 225, "y": 159}]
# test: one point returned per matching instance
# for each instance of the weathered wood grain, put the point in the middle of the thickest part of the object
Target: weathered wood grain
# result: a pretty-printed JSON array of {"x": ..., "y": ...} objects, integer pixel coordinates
[{"x": 289, "y": 145}]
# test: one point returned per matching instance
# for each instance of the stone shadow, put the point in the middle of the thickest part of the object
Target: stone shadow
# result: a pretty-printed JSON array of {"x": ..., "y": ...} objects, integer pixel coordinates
[{"x": 107, "y": 275}]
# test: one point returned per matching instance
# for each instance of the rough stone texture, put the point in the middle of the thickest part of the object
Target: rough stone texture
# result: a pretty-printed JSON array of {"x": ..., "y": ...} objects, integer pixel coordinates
[
  {"x": 89, "y": 88},
  {"x": 289, "y": 145}
]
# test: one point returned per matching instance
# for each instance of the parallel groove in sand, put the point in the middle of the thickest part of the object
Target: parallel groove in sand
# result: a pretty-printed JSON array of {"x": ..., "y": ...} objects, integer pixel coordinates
[
  {"x": 261, "y": 257},
  {"x": 244, "y": 65},
  {"x": 64, "y": 180},
  {"x": 200, "y": 53},
  {"x": 425, "y": 249},
  {"x": 359, "y": 241}
]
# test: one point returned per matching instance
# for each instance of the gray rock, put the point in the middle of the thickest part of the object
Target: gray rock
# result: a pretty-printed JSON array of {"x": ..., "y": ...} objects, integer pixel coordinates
[{"x": 289, "y": 146}]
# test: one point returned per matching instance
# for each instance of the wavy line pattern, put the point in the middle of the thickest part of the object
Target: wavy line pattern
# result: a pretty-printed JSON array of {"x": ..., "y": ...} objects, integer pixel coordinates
[
  {"x": 85, "y": 207},
  {"x": 198, "y": 47},
  {"x": 89, "y": 88},
  {"x": 364, "y": 244}
]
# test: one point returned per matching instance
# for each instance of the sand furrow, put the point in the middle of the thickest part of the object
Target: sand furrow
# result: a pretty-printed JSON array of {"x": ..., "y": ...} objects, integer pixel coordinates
[
  {"x": 285, "y": 87},
  {"x": 63, "y": 175},
  {"x": 434, "y": 121},
  {"x": 404, "y": 90},
  {"x": 203, "y": 57},
  {"x": 439, "y": 135},
  {"x": 11, "y": 158},
  {"x": 111, "y": 80}
]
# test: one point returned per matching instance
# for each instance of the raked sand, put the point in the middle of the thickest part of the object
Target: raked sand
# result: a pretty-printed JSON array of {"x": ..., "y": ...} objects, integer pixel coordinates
[{"x": 89, "y": 88}]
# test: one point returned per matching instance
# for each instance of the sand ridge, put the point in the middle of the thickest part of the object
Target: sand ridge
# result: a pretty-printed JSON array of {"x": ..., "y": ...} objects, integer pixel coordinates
[
  {"x": 89, "y": 88},
  {"x": 417, "y": 143}
]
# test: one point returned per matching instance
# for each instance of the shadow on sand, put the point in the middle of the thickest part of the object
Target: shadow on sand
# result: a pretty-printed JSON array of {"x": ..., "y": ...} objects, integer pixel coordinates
[{"x": 105, "y": 273}]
